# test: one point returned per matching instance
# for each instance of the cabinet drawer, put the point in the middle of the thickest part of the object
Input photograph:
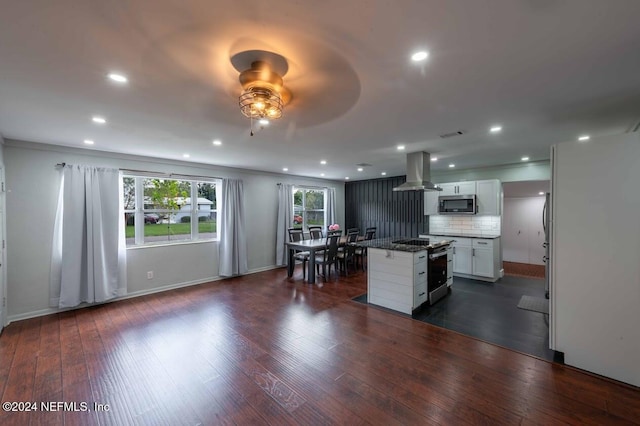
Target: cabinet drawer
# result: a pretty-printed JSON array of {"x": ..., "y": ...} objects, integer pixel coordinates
[
  {"x": 419, "y": 257},
  {"x": 420, "y": 295},
  {"x": 478, "y": 243},
  {"x": 462, "y": 242},
  {"x": 390, "y": 256},
  {"x": 420, "y": 272}
]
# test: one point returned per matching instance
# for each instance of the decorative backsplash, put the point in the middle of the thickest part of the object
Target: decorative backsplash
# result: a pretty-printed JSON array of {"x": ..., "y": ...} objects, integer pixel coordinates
[{"x": 481, "y": 226}]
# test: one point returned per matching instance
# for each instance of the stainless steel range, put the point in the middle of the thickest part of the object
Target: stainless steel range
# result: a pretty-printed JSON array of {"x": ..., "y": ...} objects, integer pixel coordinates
[
  {"x": 437, "y": 275},
  {"x": 436, "y": 266}
]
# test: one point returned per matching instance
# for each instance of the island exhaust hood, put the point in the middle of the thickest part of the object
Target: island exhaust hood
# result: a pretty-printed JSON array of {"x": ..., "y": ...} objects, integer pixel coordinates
[{"x": 418, "y": 173}]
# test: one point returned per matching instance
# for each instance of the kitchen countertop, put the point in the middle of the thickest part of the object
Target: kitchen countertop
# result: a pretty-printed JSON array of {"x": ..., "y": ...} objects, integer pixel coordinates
[{"x": 389, "y": 244}]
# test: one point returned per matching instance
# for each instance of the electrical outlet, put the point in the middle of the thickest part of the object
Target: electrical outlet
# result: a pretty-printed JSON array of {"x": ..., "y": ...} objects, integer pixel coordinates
[{"x": 150, "y": 275}]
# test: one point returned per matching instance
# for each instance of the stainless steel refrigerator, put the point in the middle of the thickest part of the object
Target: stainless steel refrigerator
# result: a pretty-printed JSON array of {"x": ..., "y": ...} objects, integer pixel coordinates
[{"x": 546, "y": 225}]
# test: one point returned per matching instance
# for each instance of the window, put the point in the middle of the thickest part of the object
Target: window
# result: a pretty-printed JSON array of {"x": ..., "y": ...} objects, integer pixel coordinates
[
  {"x": 160, "y": 210},
  {"x": 308, "y": 207}
]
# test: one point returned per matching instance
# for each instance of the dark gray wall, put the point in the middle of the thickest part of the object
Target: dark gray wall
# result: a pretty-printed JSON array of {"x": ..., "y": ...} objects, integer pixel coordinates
[{"x": 373, "y": 203}]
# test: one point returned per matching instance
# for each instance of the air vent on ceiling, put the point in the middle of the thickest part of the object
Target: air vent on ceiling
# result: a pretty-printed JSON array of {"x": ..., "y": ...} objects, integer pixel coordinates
[
  {"x": 452, "y": 134},
  {"x": 363, "y": 165}
]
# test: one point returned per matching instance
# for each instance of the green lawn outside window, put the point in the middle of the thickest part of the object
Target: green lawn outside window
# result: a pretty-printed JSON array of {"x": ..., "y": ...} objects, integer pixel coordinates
[{"x": 160, "y": 229}]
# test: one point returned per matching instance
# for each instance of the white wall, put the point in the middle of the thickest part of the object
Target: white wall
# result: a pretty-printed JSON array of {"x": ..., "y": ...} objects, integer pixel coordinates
[
  {"x": 3, "y": 232},
  {"x": 522, "y": 231},
  {"x": 517, "y": 172},
  {"x": 32, "y": 187}
]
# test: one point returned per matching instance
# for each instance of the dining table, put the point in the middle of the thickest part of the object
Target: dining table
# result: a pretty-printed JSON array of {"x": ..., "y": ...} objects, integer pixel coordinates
[{"x": 312, "y": 246}]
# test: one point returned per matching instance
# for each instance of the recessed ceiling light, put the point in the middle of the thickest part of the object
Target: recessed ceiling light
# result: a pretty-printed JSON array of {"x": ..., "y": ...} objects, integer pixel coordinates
[
  {"x": 88, "y": 142},
  {"x": 346, "y": 178},
  {"x": 400, "y": 147},
  {"x": 99, "y": 120},
  {"x": 584, "y": 138},
  {"x": 285, "y": 169},
  {"x": 420, "y": 56},
  {"x": 541, "y": 193},
  {"x": 323, "y": 162},
  {"x": 321, "y": 174},
  {"x": 434, "y": 158},
  {"x": 118, "y": 78},
  {"x": 360, "y": 169},
  {"x": 383, "y": 173},
  {"x": 217, "y": 142},
  {"x": 495, "y": 129},
  {"x": 451, "y": 166},
  {"x": 525, "y": 158},
  {"x": 264, "y": 122},
  {"x": 186, "y": 155}
]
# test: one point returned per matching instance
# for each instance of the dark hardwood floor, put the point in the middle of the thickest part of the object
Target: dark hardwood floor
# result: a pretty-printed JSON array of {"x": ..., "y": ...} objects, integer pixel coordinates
[
  {"x": 526, "y": 270},
  {"x": 264, "y": 349}
]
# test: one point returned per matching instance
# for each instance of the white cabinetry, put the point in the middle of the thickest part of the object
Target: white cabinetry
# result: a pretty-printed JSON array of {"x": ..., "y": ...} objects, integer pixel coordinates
[
  {"x": 458, "y": 188},
  {"x": 462, "y": 256},
  {"x": 482, "y": 258},
  {"x": 420, "y": 294},
  {"x": 488, "y": 197},
  {"x": 397, "y": 280},
  {"x": 431, "y": 202},
  {"x": 449, "y": 265},
  {"x": 477, "y": 258}
]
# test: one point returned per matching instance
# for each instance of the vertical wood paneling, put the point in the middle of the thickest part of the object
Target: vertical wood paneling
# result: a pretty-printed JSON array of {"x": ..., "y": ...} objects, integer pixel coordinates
[{"x": 373, "y": 203}]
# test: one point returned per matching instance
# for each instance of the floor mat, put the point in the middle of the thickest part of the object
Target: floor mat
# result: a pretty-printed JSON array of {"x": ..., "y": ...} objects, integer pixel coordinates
[{"x": 535, "y": 304}]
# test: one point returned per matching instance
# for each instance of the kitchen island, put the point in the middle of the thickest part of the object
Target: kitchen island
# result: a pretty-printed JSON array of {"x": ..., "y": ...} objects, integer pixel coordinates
[{"x": 399, "y": 272}]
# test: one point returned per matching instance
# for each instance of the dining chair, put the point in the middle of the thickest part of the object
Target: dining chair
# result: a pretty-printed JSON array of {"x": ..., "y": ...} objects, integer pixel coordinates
[
  {"x": 315, "y": 232},
  {"x": 361, "y": 252},
  {"x": 295, "y": 235},
  {"x": 346, "y": 254},
  {"x": 328, "y": 257},
  {"x": 370, "y": 233},
  {"x": 350, "y": 230}
]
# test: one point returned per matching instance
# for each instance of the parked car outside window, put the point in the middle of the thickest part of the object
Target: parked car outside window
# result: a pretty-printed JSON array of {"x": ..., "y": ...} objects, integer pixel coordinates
[{"x": 148, "y": 218}]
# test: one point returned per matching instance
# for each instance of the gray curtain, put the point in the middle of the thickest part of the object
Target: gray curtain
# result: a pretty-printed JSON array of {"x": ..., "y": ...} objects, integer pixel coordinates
[
  {"x": 331, "y": 206},
  {"x": 285, "y": 219},
  {"x": 88, "y": 262},
  {"x": 232, "y": 247}
]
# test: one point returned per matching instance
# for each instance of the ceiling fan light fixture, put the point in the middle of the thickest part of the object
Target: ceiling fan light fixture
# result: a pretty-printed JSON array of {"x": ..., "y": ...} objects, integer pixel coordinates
[
  {"x": 263, "y": 95},
  {"x": 261, "y": 102}
]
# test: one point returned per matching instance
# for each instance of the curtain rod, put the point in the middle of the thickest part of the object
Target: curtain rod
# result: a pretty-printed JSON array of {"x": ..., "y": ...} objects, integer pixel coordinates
[
  {"x": 147, "y": 172},
  {"x": 307, "y": 186}
]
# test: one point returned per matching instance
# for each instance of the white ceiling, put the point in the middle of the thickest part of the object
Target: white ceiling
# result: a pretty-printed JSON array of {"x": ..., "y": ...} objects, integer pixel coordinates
[{"x": 546, "y": 70}]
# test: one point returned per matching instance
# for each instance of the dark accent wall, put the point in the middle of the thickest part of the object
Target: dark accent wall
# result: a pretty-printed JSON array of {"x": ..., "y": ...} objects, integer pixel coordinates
[{"x": 373, "y": 203}]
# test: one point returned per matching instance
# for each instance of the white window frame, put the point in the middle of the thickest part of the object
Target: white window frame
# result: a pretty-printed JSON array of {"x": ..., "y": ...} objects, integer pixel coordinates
[
  {"x": 139, "y": 210},
  {"x": 305, "y": 225}
]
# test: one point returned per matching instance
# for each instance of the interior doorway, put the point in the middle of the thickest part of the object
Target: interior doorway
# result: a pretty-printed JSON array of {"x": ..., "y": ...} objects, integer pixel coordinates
[{"x": 522, "y": 229}]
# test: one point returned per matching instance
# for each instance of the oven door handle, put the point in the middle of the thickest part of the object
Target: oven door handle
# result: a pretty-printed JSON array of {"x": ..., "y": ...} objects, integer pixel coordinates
[{"x": 437, "y": 255}]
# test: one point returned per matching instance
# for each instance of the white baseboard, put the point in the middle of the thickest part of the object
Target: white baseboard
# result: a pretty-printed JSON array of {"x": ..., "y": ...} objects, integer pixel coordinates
[{"x": 49, "y": 311}]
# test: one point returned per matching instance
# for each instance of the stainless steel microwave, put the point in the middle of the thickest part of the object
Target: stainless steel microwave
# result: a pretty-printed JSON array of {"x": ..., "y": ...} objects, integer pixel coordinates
[{"x": 457, "y": 204}]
